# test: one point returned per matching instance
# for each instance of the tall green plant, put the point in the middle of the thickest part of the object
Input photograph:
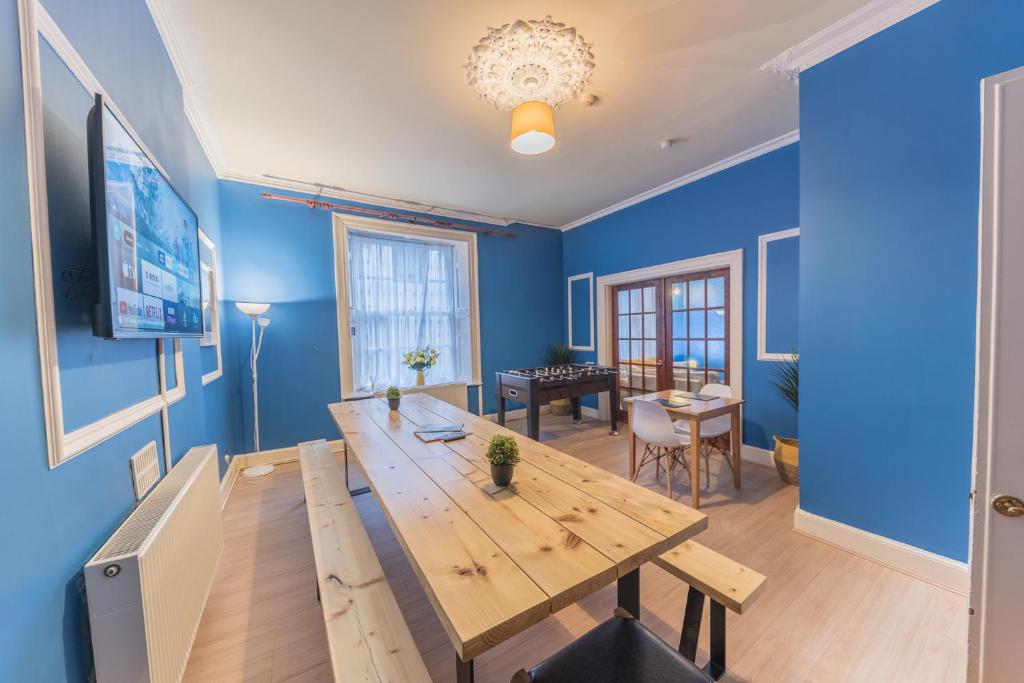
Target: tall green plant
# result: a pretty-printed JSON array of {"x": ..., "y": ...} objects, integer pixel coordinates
[
  {"x": 786, "y": 380},
  {"x": 560, "y": 354}
]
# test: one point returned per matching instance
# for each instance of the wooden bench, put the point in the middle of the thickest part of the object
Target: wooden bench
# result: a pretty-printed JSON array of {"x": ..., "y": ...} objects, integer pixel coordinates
[
  {"x": 727, "y": 583},
  {"x": 366, "y": 633}
]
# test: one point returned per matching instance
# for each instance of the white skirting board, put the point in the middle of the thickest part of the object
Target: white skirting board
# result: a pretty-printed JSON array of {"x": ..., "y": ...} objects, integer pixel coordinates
[{"x": 935, "y": 569}]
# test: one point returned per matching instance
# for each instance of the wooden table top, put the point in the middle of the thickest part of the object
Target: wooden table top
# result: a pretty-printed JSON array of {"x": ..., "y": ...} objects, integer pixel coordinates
[
  {"x": 496, "y": 561},
  {"x": 700, "y": 409}
]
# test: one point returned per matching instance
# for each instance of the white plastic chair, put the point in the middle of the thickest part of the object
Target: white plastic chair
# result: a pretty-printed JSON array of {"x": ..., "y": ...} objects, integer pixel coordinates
[
  {"x": 653, "y": 426},
  {"x": 711, "y": 431}
]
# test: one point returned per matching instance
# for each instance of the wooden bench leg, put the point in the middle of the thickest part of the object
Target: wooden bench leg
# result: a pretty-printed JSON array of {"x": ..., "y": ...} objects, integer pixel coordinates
[
  {"x": 463, "y": 670},
  {"x": 716, "y": 665},
  {"x": 691, "y": 632},
  {"x": 691, "y": 624},
  {"x": 629, "y": 592}
]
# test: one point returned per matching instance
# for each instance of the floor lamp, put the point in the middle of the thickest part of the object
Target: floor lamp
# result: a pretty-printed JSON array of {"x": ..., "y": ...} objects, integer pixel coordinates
[{"x": 254, "y": 311}]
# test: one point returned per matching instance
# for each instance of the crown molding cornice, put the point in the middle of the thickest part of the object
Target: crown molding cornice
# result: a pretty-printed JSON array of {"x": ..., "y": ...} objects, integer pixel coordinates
[
  {"x": 734, "y": 160},
  {"x": 170, "y": 24},
  {"x": 334, "y": 192},
  {"x": 872, "y": 18}
]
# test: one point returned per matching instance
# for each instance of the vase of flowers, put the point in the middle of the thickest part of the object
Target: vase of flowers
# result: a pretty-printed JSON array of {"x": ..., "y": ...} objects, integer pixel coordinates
[
  {"x": 394, "y": 397},
  {"x": 421, "y": 360},
  {"x": 503, "y": 454}
]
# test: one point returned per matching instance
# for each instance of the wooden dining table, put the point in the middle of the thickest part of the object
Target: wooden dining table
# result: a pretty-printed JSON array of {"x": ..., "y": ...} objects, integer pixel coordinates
[
  {"x": 695, "y": 411},
  {"x": 494, "y": 561}
]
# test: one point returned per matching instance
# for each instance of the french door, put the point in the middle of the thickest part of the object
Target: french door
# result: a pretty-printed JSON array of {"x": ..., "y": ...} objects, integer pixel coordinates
[{"x": 671, "y": 333}]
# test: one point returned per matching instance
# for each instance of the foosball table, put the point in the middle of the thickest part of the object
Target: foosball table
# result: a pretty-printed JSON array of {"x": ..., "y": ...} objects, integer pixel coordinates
[{"x": 535, "y": 386}]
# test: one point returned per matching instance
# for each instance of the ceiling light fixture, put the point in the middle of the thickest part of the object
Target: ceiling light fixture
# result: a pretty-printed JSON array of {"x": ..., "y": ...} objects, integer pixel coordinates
[{"x": 529, "y": 68}]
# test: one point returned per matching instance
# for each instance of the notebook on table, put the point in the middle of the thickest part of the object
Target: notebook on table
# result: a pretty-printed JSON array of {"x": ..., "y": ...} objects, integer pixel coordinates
[
  {"x": 669, "y": 403},
  {"x": 439, "y": 427},
  {"x": 695, "y": 397},
  {"x": 428, "y": 437}
]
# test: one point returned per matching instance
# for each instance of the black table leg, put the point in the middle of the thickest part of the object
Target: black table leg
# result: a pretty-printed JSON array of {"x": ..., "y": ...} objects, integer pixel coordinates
[
  {"x": 463, "y": 670},
  {"x": 613, "y": 399},
  {"x": 533, "y": 419},
  {"x": 501, "y": 408},
  {"x": 577, "y": 410},
  {"x": 359, "y": 491},
  {"x": 629, "y": 592}
]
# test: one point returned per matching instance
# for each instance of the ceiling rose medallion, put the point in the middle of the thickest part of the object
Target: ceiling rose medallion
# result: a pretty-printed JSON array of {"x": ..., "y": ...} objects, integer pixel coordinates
[{"x": 529, "y": 67}]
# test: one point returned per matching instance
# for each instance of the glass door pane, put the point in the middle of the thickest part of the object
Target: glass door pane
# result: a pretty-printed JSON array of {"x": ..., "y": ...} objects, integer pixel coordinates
[
  {"x": 639, "y": 343},
  {"x": 698, "y": 329}
]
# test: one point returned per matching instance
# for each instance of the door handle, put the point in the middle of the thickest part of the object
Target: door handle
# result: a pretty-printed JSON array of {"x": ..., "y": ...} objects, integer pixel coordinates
[{"x": 1009, "y": 506}]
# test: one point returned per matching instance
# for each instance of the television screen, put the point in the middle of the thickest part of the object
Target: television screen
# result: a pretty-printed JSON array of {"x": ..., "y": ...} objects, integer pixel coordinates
[{"x": 147, "y": 240}]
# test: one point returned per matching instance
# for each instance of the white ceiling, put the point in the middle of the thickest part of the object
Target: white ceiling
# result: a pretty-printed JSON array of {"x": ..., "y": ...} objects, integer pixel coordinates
[{"x": 371, "y": 96}]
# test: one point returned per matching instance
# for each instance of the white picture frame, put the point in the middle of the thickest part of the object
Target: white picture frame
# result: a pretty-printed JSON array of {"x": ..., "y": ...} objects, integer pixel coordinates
[
  {"x": 762, "y": 293},
  {"x": 589, "y": 277}
]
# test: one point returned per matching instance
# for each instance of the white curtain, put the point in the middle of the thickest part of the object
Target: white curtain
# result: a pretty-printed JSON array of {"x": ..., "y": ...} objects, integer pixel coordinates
[{"x": 403, "y": 297}]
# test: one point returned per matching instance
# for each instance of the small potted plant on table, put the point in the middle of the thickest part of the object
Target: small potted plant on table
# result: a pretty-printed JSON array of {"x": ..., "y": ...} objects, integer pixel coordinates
[
  {"x": 394, "y": 397},
  {"x": 503, "y": 454}
]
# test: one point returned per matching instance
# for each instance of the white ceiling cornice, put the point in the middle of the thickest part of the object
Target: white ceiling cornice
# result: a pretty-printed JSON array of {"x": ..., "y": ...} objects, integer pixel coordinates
[
  {"x": 332, "y": 192},
  {"x": 872, "y": 18},
  {"x": 178, "y": 43},
  {"x": 736, "y": 159}
]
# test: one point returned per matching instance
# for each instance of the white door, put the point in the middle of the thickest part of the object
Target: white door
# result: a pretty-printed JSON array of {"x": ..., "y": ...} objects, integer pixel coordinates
[{"x": 997, "y": 551}]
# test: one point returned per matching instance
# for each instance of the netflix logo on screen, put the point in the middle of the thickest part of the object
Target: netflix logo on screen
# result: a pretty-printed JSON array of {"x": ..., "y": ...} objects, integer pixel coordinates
[{"x": 153, "y": 312}]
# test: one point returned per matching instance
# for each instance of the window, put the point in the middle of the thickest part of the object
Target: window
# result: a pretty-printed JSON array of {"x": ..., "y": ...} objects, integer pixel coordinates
[{"x": 406, "y": 287}]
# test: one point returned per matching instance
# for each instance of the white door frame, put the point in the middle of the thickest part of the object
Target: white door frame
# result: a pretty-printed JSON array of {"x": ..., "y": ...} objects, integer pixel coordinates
[
  {"x": 989, "y": 228},
  {"x": 733, "y": 260}
]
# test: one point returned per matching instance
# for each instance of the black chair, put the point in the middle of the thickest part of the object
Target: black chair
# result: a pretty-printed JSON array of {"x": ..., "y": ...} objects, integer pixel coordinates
[{"x": 621, "y": 650}]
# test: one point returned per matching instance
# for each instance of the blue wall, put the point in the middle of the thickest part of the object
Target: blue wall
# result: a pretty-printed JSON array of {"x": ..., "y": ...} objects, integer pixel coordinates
[
  {"x": 51, "y": 521},
  {"x": 890, "y": 151},
  {"x": 283, "y": 253},
  {"x": 782, "y": 294},
  {"x": 722, "y": 212}
]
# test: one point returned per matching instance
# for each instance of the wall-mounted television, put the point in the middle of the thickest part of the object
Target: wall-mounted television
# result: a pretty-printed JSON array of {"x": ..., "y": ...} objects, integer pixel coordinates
[{"x": 146, "y": 238}]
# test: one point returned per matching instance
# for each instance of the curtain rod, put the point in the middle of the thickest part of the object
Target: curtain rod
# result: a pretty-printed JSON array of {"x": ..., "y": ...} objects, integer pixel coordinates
[{"x": 406, "y": 217}]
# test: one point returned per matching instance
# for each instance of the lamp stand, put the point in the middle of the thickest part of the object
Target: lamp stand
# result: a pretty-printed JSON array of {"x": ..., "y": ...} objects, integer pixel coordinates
[{"x": 256, "y": 471}]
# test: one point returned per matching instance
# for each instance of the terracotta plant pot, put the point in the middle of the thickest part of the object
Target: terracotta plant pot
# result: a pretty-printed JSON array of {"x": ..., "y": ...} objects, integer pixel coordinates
[
  {"x": 393, "y": 403},
  {"x": 787, "y": 459},
  {"x": 502, "y": 474},
  {"x": 560, "y": 406}
]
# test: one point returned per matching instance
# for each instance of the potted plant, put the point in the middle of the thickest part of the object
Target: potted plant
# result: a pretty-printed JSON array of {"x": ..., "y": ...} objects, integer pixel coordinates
[
  {"x": 394, "y": 397},
  {"x": 421, "y": 360},
  {"x": 503, "y": 454},
  {"x": 560, "y": 354},
  {"x": 786, "y": 384}
]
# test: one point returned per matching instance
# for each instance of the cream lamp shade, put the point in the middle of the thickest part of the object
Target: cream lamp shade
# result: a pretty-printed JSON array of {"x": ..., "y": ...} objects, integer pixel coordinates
[
  {"x": 252, "y": 309},
  {"x": 533, "y": 128}
]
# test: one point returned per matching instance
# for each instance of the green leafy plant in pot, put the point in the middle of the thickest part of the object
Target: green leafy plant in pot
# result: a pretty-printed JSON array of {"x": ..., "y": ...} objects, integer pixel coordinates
[
  {"x": 560, "y": 354},
  {"x": 394, "y": 397},
  {"x": 503, "y": 454},
  {"x": 786, "y": 383}
]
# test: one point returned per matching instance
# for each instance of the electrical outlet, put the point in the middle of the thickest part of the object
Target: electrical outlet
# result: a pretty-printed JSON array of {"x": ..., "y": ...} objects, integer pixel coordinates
[{"x": 227, "y": 458}]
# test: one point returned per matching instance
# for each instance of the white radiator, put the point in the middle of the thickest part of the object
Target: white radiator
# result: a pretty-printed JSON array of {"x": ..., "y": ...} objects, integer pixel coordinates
[
  {"x": 454, "y": 393},
  {"x": 147, "y": 586}
]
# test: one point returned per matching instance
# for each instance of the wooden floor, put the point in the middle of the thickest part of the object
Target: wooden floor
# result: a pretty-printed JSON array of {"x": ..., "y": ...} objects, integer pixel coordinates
[{"x": 826, "y": 615}]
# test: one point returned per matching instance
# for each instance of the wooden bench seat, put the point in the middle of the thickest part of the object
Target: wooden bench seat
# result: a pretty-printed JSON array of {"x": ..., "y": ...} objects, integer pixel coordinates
[
  {"x": 727, "y": 582},
  {"x": 713, "y": 574},
  {"x": 366, "y": 633}
]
